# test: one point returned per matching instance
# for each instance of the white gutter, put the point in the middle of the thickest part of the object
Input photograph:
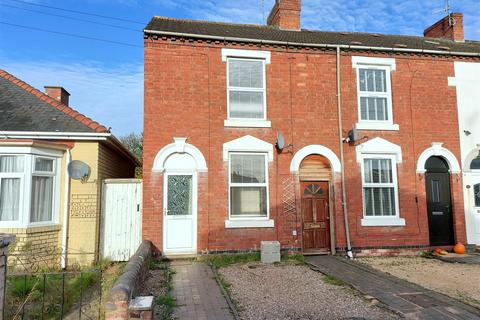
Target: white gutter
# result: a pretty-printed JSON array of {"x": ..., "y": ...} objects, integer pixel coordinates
[
  {"x": 314, "y": 45},
  {"x": 54, "y": 135},
  {"x": 66, "y": 206}
]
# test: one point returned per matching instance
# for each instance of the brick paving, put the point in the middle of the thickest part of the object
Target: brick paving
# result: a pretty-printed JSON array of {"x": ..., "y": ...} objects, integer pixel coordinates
[
  {"x": 405, "y": 298},
  {"x": 197, "y": 293}
]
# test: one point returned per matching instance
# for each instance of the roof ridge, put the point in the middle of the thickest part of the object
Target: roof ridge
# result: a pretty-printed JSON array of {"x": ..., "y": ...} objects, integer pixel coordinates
[
  {"x": 74, "y": 114},
  {"x": 267, "y": 27},
  {"x": 216, "y": 22}
]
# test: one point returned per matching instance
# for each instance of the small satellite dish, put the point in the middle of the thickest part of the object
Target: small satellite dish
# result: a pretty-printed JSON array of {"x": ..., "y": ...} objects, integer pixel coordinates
[
  {"x": 280, "y": 141},
  {"x": 78, "y": 170},
  {"x": 352, "y": 136}
]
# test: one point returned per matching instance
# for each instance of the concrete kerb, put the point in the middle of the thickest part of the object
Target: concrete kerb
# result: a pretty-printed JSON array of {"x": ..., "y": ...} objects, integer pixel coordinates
[
  {"x": 128, "y": 284},
  {"x": 225, "y": 293}
]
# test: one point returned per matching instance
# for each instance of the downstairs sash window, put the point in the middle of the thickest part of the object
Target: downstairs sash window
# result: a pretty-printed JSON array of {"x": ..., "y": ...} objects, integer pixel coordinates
[
  {"x": 248, "y": 185},
  {"x": 379, "y": 188}
]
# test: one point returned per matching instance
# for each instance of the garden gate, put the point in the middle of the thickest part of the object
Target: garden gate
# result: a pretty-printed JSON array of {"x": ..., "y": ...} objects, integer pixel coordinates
[{"x": 121, "y": 218}]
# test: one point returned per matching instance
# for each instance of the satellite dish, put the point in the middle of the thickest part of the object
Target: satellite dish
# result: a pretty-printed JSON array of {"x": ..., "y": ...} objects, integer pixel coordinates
[
  {"x": 78, "y": 170},
  {"x": 280, "y": 141}
]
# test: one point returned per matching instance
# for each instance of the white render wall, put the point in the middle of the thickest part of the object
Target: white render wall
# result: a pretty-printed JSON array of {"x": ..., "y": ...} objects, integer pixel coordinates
[{"x": 467, "y": 82}]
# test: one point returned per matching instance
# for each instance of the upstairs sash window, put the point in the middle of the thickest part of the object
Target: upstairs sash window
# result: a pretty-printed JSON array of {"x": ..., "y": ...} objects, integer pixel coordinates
[{"x": 246, "y": 89}]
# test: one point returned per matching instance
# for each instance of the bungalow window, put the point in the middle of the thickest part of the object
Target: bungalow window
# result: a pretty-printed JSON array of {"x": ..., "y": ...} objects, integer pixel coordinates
[
  {"x": 248, "y": 185},
  {"x": 379, "y": 187},
  {"x": 29, "y": 189},
  {"x": 246, "y": 89},
  {"x": 42, "y": 190},
  {"x": 11, "y": 175}
]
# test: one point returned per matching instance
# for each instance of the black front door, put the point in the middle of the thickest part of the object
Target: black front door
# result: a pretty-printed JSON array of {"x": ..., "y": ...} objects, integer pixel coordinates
[{"x": 439, "y": 206}]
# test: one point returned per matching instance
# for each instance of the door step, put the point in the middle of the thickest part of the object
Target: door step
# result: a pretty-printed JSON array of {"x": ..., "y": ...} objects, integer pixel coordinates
[{"x": 316, "y": 253}]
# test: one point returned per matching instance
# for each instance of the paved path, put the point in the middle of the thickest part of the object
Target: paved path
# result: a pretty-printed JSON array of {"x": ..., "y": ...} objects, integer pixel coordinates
[
  {"x": 473, "y": 258},
  {"x": 410, "y": 300},
  {"x": 197, "y": 293}
]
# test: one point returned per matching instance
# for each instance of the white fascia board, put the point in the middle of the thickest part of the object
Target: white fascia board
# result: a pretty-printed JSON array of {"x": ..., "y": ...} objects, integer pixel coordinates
[{"x": 55, "y": 135}]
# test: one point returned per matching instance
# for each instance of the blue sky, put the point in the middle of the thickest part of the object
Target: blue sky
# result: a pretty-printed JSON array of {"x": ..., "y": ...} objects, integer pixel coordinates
[{"x": 106, "y": 80}]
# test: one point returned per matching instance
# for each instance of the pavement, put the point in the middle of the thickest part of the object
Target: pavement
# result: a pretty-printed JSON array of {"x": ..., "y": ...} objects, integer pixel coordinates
[
  {"x": 407, "y": 299},
  {"x": 197, "y": 294}
]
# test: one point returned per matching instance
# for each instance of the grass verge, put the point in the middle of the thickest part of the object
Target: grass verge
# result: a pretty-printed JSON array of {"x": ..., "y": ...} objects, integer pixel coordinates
[
  {"x": 225, "y": 260},
  {"x": 166, "y": 300},
  {"x": 333, "y": 281}
]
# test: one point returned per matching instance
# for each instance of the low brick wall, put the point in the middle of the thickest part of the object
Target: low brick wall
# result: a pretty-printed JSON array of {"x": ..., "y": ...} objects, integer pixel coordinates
[
  {"x": 34, "y": 248},
  {"x": 128, "y": 283}
]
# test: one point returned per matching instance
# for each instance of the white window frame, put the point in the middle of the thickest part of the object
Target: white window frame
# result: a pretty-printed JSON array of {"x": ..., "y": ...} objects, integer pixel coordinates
[
  {"x": 388, "y": 65},
  {"x": 15, "y": 175},
  {"x": 55, "y": 193},
  {"x": 248, "y": 221},
  {"x": 30, "y": 154},
  {"x": 368, "y": 221},
  {"x": 247, "y": 55}
]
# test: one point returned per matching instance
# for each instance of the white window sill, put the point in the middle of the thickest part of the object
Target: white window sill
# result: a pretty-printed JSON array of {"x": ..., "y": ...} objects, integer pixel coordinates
[
  {"x": 377, "y": 126},
  {"x": 49, "y": 225},
  {"x": 231, "y": 224},
  {"x": 247, "y": 123},
  {"x": 383, "y": 222}
]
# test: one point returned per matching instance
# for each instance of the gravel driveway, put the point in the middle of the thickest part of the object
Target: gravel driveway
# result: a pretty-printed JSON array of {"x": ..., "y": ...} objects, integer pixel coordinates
[
  {"x": 460, "y": 281},
  {"x": 289, "y": 291}
]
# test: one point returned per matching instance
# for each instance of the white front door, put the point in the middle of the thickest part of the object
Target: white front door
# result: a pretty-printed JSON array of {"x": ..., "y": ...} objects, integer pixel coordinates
[
  {"x": 180, "y": 213},
  {"x": 475, "y": 214}
]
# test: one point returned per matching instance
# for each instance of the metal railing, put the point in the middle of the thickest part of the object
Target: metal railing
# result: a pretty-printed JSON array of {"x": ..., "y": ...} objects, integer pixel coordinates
[{"x": 54, "y": 295}]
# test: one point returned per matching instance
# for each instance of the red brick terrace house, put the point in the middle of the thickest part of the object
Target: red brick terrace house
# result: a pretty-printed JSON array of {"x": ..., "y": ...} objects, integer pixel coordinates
[{"x": 375, "y": 111}]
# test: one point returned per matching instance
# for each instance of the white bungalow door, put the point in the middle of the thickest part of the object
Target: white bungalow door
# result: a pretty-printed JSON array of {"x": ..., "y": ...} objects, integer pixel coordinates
[{"x": 180, "y": 214}]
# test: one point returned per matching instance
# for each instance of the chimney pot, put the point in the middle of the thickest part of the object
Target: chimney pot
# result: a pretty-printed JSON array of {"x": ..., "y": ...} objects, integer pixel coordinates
[
  {"x": 285, "y": 14},
  {"x": 58, "y": 93},
  {"x": 450, "y": 28}
]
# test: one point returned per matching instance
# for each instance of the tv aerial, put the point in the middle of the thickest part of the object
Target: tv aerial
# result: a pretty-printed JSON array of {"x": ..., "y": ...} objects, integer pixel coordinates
[
  {"x": 448, "y": 11},
  {"x": 78, "y": 170}
]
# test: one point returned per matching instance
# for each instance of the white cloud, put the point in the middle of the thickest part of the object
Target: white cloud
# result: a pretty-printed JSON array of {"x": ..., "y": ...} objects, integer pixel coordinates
[{"x": 112, "y": 97}]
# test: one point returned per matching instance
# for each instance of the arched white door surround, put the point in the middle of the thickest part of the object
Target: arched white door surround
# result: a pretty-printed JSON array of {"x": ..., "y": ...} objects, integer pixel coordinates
[
  {"x": 315, "y": 149},
  {"x": 469, "y": 158},
  {"x": 437, "y": 150},
  {"x": 180, "y": 146},
  {"x": 180, "y": 163}
]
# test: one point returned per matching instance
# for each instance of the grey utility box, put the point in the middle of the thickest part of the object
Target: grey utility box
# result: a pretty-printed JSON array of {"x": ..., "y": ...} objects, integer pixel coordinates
[{"x": 270, "y": 251}]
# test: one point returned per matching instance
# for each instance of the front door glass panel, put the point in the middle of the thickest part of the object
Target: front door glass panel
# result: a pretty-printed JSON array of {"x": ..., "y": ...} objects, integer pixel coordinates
[
  {"x": 476, "y": 192},
  {"x": 179, "y": 198}
]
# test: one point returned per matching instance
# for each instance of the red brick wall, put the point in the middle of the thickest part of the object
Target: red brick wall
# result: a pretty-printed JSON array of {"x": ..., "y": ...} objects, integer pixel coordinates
[{"x": 185, "y": 96}]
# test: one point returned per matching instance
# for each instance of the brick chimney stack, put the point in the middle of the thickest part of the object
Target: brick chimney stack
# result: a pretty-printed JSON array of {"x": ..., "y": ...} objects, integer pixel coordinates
[
  {"x": 58, "y": 93},
  {"x": 450, "y": 28},
  {"x": 285, "y": 14}
]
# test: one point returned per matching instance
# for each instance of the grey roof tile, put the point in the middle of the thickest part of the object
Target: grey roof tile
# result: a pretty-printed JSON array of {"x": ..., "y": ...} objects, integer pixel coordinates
[{"x": 269, "y": 33}]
